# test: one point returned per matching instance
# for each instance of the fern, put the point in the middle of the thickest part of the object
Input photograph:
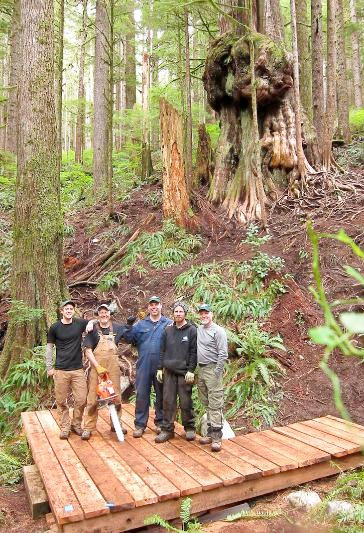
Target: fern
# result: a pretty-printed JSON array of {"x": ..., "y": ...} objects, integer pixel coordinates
[{"x": 251, "y": 515}]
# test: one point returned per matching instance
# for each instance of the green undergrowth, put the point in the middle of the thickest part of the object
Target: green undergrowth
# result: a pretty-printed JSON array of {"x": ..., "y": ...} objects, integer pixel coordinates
[
  {"x": 242, "y": 295},
  {"x": 5, "y": 254},
  {"x": 356, "y": 119},
  {"x": 13, "y": 456},
  {"x": 160, "y": 250}
]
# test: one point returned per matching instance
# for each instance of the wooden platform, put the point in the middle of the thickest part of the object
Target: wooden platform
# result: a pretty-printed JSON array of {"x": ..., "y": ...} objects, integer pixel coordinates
[{"x": 106, "y": 486}]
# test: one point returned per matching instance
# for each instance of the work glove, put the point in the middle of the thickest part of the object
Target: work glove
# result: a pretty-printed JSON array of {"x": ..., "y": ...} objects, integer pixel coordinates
[
  {"x": 130, "y": 320},
  {"x": 100, "y": 370},
  {"x": 90, "y": 326},
  {"x": 160, "y": 376},
  {"x": 189, "y": 377}
]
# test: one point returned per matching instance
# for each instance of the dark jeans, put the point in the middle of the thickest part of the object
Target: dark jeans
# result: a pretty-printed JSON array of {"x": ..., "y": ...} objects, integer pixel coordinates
[
  {"x": 173, "y": 385},
  {"x": 143, "y": 386}
]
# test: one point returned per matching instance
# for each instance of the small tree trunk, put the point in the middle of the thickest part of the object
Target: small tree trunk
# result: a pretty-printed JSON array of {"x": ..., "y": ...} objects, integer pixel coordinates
[
  {"x": 130, "y": 63},
  {"x": 330, "y": 84},
  {"x": 147, "y": 167},
  {"x": 188, "y": 103},
  {"x": 317, "y": 70},
  {"x": 204, "y": 158},
  {"x": 81, "y": 104},
  {"x": 358, "y": 99},
  {"x": 341, "y": 83},
  {"x": 272, "y": 20},
  {"x": 304, "y": 56},
  {"x": 176, "y": 203},
  {"x": 37, "y": 265}
]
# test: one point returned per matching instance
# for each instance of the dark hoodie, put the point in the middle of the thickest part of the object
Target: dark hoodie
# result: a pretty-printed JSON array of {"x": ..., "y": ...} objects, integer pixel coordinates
[{"x": 179, "y": 348}]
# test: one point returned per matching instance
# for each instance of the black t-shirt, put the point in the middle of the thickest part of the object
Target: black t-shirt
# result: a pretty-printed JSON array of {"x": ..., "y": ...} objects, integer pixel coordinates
[
  {"x": 92, "y": 339},
  {"x": 67, "y": 338}
]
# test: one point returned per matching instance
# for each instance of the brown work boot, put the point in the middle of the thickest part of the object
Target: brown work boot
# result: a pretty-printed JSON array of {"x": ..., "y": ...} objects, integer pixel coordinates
[
  {"x": 216, "y": 436},
  {"x": 86, "y": 434},
  {"x": 138, "y": 432},
  {"x": 164, "y": 436},
  {"x": 216, "y": 445},
  {"x": 78, "y": 431},
  {"x": 64, "y": 434},
  {"x": 190, "y": 434},
  {"x": 205, "y": 440},
  {"x": 157, "y": 429}
]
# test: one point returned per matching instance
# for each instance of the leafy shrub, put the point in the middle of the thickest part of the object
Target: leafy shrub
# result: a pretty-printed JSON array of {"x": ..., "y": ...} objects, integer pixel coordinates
[
  {"x": 76, "y": 185},
  {"x": 7, "y": 192},
  {"x": 108, "y": 281},
  {"x": 252, "y": 236},
  {"x": 12, "y": 459},
  {"x": 356, "y": 119},
  {"x": 153, "y": 199}
]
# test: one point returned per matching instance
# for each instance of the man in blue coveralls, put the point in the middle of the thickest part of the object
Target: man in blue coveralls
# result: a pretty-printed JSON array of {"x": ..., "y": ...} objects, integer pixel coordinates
[{"x": 146, "y": 335}]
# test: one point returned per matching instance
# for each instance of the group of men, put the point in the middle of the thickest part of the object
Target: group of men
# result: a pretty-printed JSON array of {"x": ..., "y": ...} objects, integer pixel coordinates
[{"x": 170, "y": 353}]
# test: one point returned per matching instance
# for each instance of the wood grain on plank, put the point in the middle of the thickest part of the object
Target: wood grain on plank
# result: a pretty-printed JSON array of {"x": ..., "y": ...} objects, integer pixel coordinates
[
  {"x": 266, "y": 467},
  {"x": 346, "y": 421},
  {"x": 302, "y": 449},
  {"x": 153, "y": 477},
  {"x": 314, "y": 432},
  {"x": 62, "y": 499},
  {"x": 342, "y": 425},
  {"x": 332, "y": 449},
  {"x": 278, "y": 447},
  {"x": 350, "y": 437}
]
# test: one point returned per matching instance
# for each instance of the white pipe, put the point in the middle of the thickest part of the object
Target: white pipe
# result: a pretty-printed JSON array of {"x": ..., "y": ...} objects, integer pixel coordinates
[{"x": 116, "y": 422}]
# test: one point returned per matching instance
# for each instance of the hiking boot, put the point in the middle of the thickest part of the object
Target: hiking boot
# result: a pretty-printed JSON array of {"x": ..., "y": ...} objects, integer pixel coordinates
[
  {"x": 190, "y": 434},
  {"x": 164, "y": 436},
  {"x": 216, "y": 445},
  {"x": 78, "y": 431},
  {"x": 125, "y": 431},
  {"x": 205, "y": 440},
  {"x": 86, "y": 434},
  {"x": 157, "y": 429},
  {"x": 138, "y": 432},
  {"x": 64, "y": 434}
]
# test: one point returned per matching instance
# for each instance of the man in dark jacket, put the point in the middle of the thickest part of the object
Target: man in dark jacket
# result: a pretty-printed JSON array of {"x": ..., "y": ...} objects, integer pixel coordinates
[
  {"x": 146, "y": 336},
  {"x": 178, "y": 359}
]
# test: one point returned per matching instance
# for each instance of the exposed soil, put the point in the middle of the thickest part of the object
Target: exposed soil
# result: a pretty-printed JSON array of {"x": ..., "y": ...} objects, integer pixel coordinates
[{"x": 306, "y": 390}]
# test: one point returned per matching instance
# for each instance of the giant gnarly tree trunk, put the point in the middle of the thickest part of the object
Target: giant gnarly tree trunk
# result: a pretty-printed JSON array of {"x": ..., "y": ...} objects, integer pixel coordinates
[
  {"x": 237, "y": 181},
  {"x": 355, "y": 60},
  {"x": 38, "y": 224},
  {"x": 81, "y": 104},
  {"x": 102, "y": 139},
  {"x": 341, "y": 79},
  {"x": 176, "y": 203},
  {"x": 12, "y": 104}
]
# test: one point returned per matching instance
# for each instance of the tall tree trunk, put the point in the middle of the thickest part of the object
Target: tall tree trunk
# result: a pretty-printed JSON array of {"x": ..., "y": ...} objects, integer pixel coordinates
[
  {"x": 36, "y": 289},
  {"x": 58, "y": 79},
  {"x": 12, "y": 105},
  {"x": 272, "y": 20},
  {"x": 341, "y": 83},
  {"x": 188, "y": 103},
  {"x": 355, "y": 59},
  {"x": 176, "y": 203},
  {"x": 81, "y": 103},
  {"x": 102, "y": 97},
  {"x": 317, "y": 69},
  {"x": 304, "y": 56},
  {"x": 330, "y": 85},
  {"x": 147, "y": 167},
  {"x": 130, "y": 61}
]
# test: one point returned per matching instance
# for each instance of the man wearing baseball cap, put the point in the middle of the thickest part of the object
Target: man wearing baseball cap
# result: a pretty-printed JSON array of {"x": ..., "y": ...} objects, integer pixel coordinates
[
  {"x": 68, "y": 374},
  {"x": 102, "y": 351},
  {"x": 212, "y": 352},
  {"x": 146, "y": 336}
]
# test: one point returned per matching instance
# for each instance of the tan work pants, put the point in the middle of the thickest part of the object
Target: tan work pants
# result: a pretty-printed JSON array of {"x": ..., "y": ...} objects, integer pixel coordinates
[
  {"x": 66, "y": 381},
  {"x": 106, "y": 355},
  {"x": 210, "y": 388}
]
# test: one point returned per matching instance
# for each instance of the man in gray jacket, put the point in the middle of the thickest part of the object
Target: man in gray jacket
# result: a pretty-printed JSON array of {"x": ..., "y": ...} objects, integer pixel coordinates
[{"x": 212, "y": 352}]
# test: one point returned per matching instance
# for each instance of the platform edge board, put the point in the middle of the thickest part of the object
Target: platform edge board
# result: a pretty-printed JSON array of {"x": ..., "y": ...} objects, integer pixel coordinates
[
  {"x": 184, "y": 482},
  {"x": 35, "y": 491},
  {"x": 204, "y": 501},
  {"x": 335, "y": 451},
  {"x": 111, "y": 488},
  {"x": 152, "y": 477},
  {"x": 88, "y": 495},
  {"x": 45, "y": 460}
]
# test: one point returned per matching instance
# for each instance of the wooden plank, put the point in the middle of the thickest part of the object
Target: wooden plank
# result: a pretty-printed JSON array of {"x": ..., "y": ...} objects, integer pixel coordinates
[
  {"x": 62, "y": 499},
  {"x": 308, "y": 430},
  {"x": 34, "y": 488},
  {"x": 342, "y": 425},
  {"x": 336, "y": 451},
  {"x": 184, "y": 482},
  {"x": 113, "y": 491},
  {"x": 334, "y": 431},
  {"x": 220, "y": 496},
  {"x": 283, "y": 449},
  {"x": 302, "y": 449},
  {"x": 346, "y": 422},
  {"x": 89, "y": 496},
  {"x": 265, "y": 451},
  {"x": 266, "y": 467},
  {"x": 163, "y": 488}
]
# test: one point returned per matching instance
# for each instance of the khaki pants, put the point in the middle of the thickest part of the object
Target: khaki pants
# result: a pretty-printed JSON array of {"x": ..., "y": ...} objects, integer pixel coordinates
[
  {"x": 106, "y": 355},
  {"x": 211, "y": 394},
  {"x": 66, "y": 381}
]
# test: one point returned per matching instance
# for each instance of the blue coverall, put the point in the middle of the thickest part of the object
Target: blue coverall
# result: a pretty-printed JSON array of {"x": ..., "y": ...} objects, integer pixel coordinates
[{"x": 146, "y": 335}]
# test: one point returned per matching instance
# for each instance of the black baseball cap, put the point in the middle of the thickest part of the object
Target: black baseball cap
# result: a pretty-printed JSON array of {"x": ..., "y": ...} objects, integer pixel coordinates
[
  {"x": 154, "y": 299},
  {"x": 67, "y": 302},
  {"x": 205, "y": 307}
]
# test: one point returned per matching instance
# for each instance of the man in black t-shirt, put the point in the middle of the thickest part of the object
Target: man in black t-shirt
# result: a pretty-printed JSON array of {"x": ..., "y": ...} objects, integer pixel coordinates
[{"x": 68, "y": 374}]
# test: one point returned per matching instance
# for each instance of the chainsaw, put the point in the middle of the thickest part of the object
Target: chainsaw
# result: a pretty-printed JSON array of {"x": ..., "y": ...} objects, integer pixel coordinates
[{"x": 106, "y": 396}]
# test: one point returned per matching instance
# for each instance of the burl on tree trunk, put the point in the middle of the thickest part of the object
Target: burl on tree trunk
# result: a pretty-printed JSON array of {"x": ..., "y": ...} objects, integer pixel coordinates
[
  {"x": 176, "y": 204},
  {"x": 236, "y": 183}
]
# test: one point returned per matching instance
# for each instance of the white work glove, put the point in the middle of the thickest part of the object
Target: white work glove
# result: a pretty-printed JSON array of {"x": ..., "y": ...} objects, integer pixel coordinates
[
  {"x": 160, "y": 376},
  {"x": 90, "y": 326},
  {"x": 189, "y": 378}
]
